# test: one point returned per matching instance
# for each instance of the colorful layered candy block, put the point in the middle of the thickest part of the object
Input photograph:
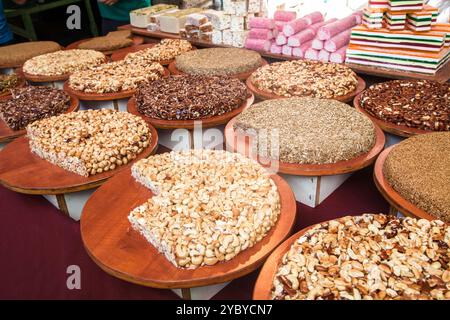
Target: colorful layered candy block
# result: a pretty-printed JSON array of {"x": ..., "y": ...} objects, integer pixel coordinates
[
  {"x": 395, "y": 20},
  {"x": 419, "y": 21},
  {"x": 378, "y": 4},
  {"x": 434, "y": 13},
  {"x": 443, "y": 28},
  {"x": 372, "y": 18},
  {"x": 406, "y": 5}
]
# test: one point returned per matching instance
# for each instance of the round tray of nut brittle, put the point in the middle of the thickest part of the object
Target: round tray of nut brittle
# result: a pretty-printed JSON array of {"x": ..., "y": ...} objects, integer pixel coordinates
[
  {"x": 103, "y": 96},
  {"x": 137, "y": 41},
  {"x": 292, "y": 135},
  {"x": 413, "y": 176},
  {"x": 182, "y": 102},
  {"x": 7, "y": 133},
  {"x": 327, "y": 262},
  {"x": 407, "y": 107},
  {"x": 128, "y": 252},
  {"x": 75, "y": 169}
]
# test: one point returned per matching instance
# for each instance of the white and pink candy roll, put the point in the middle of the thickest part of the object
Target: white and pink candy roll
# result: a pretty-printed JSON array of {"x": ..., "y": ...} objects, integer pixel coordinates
[
  {"x": 281, "y": 39},
  {"x": 314, "y": 17},
  {"x": 281, "y": 15},
  {"x": 312, "y": 54},
  {"x": 262, "y": 23},
  {"x": 339, "y": 56},
  {"x": 280, "y": 25},
  {"x": 300, "y": 51},
  {"x": 257, "y": 44},
  {"x": 275, "y": 49},
  {"x": 258, "y": 33},
  {"x": 324, "y": 55},
  {"x": 286, "y": 50},
  {"x": 314, "y": 27},
  {"x": 338, "y": 41},
  {"x": 317, "y": 44},
  {"x": 295, "y": 26},
  {"x": 329, "y": 30},
  {"x": 300, "y": 38}
]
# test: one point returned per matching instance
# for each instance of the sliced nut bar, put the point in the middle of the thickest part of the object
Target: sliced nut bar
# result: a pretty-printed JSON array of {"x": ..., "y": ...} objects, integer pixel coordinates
[
  {"x": 307, "y": 130},
  {"x": 32, "y": 103},
  {"x": 17, "y": 54},
  {"x": 218, "y": 61},
  {"x": 91, "y": 141},
  {"x": 420, "y": 104},
  {"x": 209, "y": 205},
  {"x": 63, "y": 62},
  {"x": 299, "y": 78},
  {"x": 115, "y": 76},
  {"x": 190, "y": 97},
  {"x": 371, "y": 257},
  {"x": 419, "y": 170}
]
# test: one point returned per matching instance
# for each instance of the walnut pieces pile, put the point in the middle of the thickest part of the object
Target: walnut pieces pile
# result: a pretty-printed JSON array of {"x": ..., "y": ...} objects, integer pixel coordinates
[
  {"x": 420, "y": 104},
  {"x": 367, "y": 257},
  {"x": 89, "y": 142},
  {"x": 300, "y": 78},
  {"x": 190, "y": 97},
  {"x": 209, "y": 205},
  {"x": 114, "y": 77},
  {"x": 63, "y": 62},
  {"x": 32, "y": 103},
  {"x": 167, "y": 49}
]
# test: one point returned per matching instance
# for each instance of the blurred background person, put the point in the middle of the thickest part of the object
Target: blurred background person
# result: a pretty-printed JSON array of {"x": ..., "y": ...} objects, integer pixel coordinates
[{"x": 116, "y": 13}]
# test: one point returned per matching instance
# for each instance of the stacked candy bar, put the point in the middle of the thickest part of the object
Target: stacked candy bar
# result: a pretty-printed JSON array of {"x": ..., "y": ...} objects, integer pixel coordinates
[
  {"x": 405, "y": 5},
  {"x": 378, "y": 4},
  {"x": 262, "y": 34},
  {"x": 434, "y": 13},
  {"x": 443, "y": 28},
  {"x": 419, "y": 21},
  {"x": 231, "y": 26},
  {"x": 197, "y": 26},
  {"x": 373, "y": 18}
]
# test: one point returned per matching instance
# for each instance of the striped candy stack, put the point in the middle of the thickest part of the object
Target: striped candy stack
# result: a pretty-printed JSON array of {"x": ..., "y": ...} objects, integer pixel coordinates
[
  {"x": 423, "y": 47},
  {"x": 373, "y": 18},
  {"x": 378, "y": 4}
]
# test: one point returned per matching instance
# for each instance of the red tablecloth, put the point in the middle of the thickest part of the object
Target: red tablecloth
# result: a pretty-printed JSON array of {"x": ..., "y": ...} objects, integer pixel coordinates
[{"x": 38, "y": 243}]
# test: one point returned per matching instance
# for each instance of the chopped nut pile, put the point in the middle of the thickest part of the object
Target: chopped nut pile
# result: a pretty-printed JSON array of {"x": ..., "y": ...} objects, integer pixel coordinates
[
  {"x": 32, "y": 103},
  {"x": 218, "y": 61},
  {"x": 417, "y": 104},
  {"x": 419, "y": 170},
  {"x": 91, "y": 141},
  {"x": 367, "y": 257},
  {"x": 167, "y": 49},
  {"x": 63, "y": 62},
  {"x": 209, "y": 205},
  {"x": 190, "y": 97},
  {"x": 305, "y": 78},
  {"x": 306, "y": 130},
  {"x": 8, "y": 82},
  {"x": 17, "y": 54},
  {"x": 115, "y": 77}
]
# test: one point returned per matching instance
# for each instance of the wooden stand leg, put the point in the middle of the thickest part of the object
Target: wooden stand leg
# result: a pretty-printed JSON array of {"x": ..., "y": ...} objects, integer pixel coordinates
[
  {"x": 62, "y": 204},
  {"x": 116, "y": 105},
  {"x": 186, "y": 293},
  {"x": 191, "y": 142},
  {"x": 317, "y": 200}
]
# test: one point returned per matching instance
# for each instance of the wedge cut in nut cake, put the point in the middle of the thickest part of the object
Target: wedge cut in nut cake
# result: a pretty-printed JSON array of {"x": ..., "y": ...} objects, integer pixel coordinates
[
  {"x": 167, "y": 49},
  {"x": 89, "y": 142},
  {"x": 373, "y": 257},
  {"x": 209, "y": 205}
]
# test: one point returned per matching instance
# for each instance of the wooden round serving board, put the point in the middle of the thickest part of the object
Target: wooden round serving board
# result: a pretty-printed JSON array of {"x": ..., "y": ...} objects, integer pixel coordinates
[
  {"x": 392, "y": 196},
  {"x": 121, "y": 53},
  {"x": 137, "y": 40},
  {"x": 264, "y": 282},
  {"x": 43, "y": 78},
  {"x": 23, "y": 171},
  {"x": 122, "y": 252},
  {"x": 103, "y": 96},
  {"x": 264, "y": 95},
  {"x": 403, "y": 131},
  {"x": 7, "y": 134},
  {"x": 22, "y": 83},
  {"x": 241, "y": 76},
  {"x": 241, "y": 144},
  {"x": 189, "y": 124}
]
